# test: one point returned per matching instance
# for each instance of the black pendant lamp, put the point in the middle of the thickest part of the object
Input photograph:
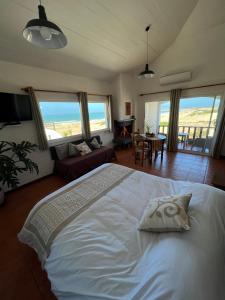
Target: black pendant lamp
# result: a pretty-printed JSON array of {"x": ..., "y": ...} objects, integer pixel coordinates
[
  {"x": 147, "y": 73},
  {"x": 44, "y": 33}
]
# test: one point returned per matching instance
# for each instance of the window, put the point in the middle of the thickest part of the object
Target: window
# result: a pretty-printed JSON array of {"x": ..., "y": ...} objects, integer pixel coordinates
[
  {"x": 98, "y": 115},
  {"x": 61, "y": 118}
]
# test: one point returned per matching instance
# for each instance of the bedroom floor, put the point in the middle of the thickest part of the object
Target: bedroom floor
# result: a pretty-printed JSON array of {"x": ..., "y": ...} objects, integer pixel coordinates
[
  {"x": 178, "y": 166},
  {"x": 21, "y": 276}
]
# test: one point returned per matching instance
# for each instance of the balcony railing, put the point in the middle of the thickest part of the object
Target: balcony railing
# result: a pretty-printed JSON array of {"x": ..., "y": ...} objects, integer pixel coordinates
[{"x": 195, "y": 138}]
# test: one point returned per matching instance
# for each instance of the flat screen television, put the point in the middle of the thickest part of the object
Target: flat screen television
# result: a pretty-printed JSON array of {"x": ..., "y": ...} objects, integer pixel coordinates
[{"x": 14, "y": 108}]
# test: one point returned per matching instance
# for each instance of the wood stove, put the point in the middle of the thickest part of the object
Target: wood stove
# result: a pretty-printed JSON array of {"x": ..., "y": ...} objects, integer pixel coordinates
[{"x": 123, "y": 132}]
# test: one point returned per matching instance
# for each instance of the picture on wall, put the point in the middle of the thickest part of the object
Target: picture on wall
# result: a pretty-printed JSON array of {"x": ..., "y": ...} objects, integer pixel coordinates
[{"x": 127, "y": 108}]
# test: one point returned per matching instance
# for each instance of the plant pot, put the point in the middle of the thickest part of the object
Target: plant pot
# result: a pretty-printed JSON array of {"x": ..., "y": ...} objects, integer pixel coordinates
[{"x": 2, "y": 197}]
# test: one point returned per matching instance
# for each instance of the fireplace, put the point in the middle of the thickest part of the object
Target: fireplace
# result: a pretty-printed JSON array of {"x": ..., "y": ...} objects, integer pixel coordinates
[{"x": 122, "y": 132}]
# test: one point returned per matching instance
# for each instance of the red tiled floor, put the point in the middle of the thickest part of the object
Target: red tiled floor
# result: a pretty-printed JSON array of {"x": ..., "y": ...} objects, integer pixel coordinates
[
  {"x": 21, "y": 276},
  {"x": 179, "y": 166}
]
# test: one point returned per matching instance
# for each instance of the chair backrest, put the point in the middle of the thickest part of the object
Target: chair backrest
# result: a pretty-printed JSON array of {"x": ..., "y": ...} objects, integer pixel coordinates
[
  {"x": 157, "y": 145},
  {"x": 138, "y": 139},
  {"x": 140, "y": 142}
]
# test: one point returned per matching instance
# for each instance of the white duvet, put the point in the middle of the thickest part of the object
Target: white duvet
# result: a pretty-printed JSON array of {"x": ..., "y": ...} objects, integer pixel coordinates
[{"x": 102, "y": 254}]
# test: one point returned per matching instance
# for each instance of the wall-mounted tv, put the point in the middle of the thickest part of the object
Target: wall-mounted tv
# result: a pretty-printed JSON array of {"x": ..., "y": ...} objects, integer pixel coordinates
[{"x": 14, "y": 108}]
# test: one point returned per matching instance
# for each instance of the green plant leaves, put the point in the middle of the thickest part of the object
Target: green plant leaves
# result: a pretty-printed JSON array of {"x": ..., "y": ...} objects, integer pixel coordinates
[{"x": 14, "y": 160}]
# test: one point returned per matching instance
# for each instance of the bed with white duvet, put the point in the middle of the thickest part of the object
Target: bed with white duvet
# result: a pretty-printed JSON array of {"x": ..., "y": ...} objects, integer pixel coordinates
[{"x": 99, "y": 253}]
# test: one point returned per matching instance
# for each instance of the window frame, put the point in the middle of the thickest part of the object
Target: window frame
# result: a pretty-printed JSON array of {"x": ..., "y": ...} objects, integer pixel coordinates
[
  {"x": 59, "y": 97},
  {"x": 99, "y": 99}
]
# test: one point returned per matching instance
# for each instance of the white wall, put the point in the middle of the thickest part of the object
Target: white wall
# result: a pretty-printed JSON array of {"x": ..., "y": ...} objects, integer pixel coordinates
[
  {"x": 140, "y": 107},
  {"x": 13, "y": 77},
  {"x": 124, "y": 90},
  {"x": 152, "y": 110}
]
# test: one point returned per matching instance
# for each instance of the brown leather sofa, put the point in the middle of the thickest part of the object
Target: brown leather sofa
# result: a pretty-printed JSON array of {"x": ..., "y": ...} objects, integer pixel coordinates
[{"x": 71, "y": 168}]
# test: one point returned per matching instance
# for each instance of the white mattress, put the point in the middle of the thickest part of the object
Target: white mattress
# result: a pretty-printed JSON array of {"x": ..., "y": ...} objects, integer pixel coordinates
[{"x": 102, "y": 254}]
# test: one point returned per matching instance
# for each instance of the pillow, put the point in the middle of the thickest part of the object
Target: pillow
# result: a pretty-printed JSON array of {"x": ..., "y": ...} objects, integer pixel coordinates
[
  {"x": 168, "y": 213},
  {"x": 83, "y": 148},
  {"x": 73, "y": 150},
  {"x": 62, "y": 151},
  {"x": 95, "y": 143}
]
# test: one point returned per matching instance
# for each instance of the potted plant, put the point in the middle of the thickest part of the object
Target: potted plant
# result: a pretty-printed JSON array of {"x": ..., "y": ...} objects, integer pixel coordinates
[
  {"x": 147, "y": 126},
  {"x": 14, "y": 161}
]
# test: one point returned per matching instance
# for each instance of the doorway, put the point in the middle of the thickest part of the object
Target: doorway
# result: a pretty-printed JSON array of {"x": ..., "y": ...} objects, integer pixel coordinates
[{"x": 197, "y": 124}]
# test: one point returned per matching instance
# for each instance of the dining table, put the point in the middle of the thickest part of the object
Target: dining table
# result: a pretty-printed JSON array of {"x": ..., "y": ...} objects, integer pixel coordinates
[{"x": 150, "y": 140}]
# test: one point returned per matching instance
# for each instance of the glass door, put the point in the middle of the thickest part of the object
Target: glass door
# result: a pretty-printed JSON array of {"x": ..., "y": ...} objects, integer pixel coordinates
[{"x": 197, "y": 124}]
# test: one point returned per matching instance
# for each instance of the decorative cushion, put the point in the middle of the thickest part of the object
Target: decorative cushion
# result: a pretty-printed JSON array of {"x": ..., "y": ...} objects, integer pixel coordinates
[
  {"x": 62, "y": 151},
  {"x": 83, "y": 148},
  {"x": 73, "y": 150},
  {"x": 166, "y": 214},
  {"x": 95, "y": 144}
]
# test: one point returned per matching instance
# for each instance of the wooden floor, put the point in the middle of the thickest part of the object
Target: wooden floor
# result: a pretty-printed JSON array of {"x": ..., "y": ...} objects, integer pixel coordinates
[{"x": 21, "y": 276}]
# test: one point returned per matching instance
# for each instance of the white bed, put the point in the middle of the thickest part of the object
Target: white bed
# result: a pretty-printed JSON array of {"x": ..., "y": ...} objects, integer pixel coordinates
[{"x": 102, "y": 255}]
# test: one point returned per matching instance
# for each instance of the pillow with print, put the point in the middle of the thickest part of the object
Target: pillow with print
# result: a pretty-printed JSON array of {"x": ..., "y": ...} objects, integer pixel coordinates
[
  {"x": 83, "y": 148},
  {"x": 95, "y": 144},
  {"x": 168, "y": 213},
  {"x": 73, "y": 150}
]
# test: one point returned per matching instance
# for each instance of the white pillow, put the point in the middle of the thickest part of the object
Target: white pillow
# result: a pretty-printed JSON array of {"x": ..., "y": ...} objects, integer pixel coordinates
[
  {"x": 168, "y": 213},
  {"x": 83, "y": 148}
]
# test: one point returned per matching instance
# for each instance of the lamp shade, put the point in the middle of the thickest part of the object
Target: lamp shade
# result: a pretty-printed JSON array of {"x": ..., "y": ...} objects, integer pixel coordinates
[
  {"x": 44, "y": 33},
  {"x": 147, "y": 74}
]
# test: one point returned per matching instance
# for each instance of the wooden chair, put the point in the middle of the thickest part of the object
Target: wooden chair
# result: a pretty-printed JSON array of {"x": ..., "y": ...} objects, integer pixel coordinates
[
  {"x": 141, "y": 149},
  {"x": 156, "y": 147}
]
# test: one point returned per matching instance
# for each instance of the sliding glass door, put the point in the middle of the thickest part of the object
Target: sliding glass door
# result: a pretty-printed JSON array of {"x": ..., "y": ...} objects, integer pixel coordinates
[{"x": 197, "y": 124}]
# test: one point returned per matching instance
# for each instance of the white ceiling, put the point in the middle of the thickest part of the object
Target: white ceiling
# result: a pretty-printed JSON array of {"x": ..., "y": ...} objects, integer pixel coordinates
[{"x": 105, "y": 37}]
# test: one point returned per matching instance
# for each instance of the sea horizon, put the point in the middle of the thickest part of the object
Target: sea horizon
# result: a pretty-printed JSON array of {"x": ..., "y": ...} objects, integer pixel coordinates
[
  {"x": 54, "y": 112},
  {"x": 72, "y": 121}
]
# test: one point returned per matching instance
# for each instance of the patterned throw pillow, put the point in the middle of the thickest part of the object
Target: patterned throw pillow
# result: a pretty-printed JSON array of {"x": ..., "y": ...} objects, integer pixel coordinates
[
  {"x": 83, "y": 148},
  {"x": 95, "y": 144},
  {"x": 62, "y": 151},
  {"x": 166, "y": 214},
  {"x": 73, "y": 150}
]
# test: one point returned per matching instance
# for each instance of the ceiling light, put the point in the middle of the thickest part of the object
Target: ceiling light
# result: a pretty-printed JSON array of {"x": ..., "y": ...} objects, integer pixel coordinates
[
  {"x": 146, "y": 74},
  {"x": 44, "y": 33}
]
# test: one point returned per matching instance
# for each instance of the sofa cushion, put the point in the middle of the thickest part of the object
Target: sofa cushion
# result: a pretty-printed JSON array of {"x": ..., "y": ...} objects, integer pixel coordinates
[
  {"x": 53, "y": 151},
  {"x": 62, "y": 151},
  {"x": 83, "y": 148},
  {"x": 95, "y": 143},
  {"x": 73, "y": 150}
]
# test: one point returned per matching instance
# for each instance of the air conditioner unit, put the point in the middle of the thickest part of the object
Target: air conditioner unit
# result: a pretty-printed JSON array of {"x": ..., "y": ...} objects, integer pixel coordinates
[{"x": 175, "y": 78}]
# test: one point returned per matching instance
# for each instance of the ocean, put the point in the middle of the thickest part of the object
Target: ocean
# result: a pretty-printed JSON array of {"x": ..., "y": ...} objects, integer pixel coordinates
[
  {"x": 198, "y": 102},
  {"x": 69, "y": 111}
]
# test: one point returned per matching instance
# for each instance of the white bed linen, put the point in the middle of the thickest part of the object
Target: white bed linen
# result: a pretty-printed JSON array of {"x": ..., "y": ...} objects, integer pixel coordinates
[{"x": 102, "y": 254}]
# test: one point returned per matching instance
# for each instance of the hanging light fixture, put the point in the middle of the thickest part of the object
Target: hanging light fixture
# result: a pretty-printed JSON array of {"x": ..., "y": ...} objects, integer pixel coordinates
[
  {"x": 147, "y": 73},
  {"x": 44, "y": 33}
]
